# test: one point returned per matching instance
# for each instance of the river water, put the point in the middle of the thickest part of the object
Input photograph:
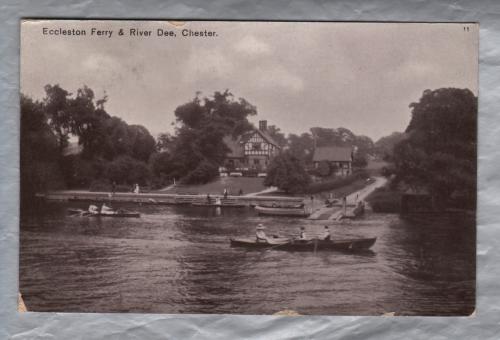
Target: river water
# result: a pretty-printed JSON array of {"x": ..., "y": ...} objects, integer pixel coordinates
[{"x": 177, "y": 259}]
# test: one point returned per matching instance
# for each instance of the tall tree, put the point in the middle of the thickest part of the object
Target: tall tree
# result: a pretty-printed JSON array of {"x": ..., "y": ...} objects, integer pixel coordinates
[
  {"x": 384, "y": 147},
  {"x": 277, "y": 135},
  {"x": 40, "y": 151},
  {"x": 56, "y": 106},
  {"x": 301, "y": 147},
  {"x": 440, "y": 151},
  {"x": 203, "y": 124}
]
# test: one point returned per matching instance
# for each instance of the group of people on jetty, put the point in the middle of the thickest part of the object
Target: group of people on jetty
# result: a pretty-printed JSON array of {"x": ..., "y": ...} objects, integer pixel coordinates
[{"x": 260, "y": 234}]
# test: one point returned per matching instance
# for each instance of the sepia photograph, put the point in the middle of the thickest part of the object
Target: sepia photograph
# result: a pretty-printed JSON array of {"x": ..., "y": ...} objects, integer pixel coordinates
[{"x": 248, "y": 167}]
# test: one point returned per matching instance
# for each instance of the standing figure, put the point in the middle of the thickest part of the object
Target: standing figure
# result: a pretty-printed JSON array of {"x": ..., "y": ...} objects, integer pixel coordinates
[
  {"x": 209, "y": 200},
  {"x": 225, "y": 193},
  {"x": 136, "y": 189}
]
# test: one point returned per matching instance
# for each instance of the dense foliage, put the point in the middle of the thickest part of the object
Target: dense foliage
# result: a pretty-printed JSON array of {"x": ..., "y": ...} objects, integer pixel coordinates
[
  {"x": 440, "y": 151},
  {"x": 197, "y": 149},
  {"x": 40, "y": 147},
  {"x": 303, "y": 146},
  {"x": 287, "y": 172},
  {"x": 384, "y": 147}
]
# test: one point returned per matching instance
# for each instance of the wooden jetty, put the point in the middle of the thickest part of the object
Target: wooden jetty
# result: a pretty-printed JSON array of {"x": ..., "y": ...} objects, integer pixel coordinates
[{"x": 161, "y": 198}]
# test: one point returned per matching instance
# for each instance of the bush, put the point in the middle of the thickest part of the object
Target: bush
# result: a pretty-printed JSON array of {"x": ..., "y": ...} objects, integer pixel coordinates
[
  {"x": 105, "y": 185},
  {"x": 385, "y": 200},
  {"x": 204, "y": 173},
  {"x": 287, "y": 172},
  {"x": 127, "y": 170}
]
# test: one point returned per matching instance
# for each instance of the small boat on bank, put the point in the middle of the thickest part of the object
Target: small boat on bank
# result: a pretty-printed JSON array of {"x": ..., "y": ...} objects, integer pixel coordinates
[
  {"x": 305, "y": 245},
  {"x": 115, "y": 213},
  {"x": 275, "y": 211},
  {"x": 222, "y": 205},
  {"x": 283, "y": 206}
]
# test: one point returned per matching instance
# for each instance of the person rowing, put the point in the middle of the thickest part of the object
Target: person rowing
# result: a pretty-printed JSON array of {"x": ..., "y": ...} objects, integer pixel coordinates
[
  {"x": 326, "y": 234},
  {"x": 260, "y": 235},
  {"x": 105, "y": 210},
  {"x": 93, "y": 209},
  {"x": 302, "y": 234}
]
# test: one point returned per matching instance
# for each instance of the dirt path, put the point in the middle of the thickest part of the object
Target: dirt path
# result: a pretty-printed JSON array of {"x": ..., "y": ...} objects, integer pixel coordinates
[{"x": 325, "y": 213}]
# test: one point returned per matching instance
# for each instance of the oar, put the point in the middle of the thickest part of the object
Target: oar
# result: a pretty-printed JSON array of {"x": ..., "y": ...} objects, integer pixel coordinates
[{"x": 279, "y": 245}]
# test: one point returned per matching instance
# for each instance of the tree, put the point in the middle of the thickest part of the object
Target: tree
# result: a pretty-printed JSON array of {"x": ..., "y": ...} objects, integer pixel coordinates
[
  {"x": 440, "y": 152},
  {"x": 58, "y": 114},
  {"x": 198, "y": 145},
  {"x": 301, "y": 147},
  {"x": 384, "y": 147},
  {"x": 127, "y": 170},
  {"x": 141, "y": 142},
  {"x": 40, "y": 151},
  {"x": 277, "y": 135},
  {"x": 287, "y": 172},
  {"x": 362, "y": 145}
]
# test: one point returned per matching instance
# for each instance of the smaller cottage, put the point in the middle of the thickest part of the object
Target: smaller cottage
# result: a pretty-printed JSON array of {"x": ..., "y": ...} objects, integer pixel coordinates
[{"x": 339, "y": 158}]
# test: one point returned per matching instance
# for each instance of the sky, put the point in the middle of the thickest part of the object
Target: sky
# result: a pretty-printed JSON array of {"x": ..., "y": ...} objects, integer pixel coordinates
[{"x": 361, "y": 76}]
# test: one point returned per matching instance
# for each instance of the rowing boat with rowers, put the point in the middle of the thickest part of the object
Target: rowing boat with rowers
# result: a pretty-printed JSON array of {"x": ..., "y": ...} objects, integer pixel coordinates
[
  {"x": 115, "y": 213},
  {"x": 305, "y": 245}
]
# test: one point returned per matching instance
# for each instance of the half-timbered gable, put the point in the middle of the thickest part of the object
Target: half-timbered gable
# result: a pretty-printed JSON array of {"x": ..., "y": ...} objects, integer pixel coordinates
[{"x": 252, "y": 151}]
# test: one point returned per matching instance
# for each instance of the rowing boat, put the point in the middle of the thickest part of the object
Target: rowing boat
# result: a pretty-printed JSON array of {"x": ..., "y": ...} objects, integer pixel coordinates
[
  {"x": 117, "y": 213},
  {"x": 305, "y": 245},
  {"x": 275, "y": 211},
  {"x": 223, "y": 205}
]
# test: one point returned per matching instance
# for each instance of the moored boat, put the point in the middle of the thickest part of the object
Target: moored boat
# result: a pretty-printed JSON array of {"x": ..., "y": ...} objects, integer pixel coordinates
[
  {"x": 306, "y": 245},
  {"x": 223, "y": 205},
  {"x": 115, "y": 213},
  {"x": 275, "y": 211}
]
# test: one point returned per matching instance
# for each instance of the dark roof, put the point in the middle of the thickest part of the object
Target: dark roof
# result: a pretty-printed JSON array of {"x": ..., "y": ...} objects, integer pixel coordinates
[
  {"x": 267, "y": 137},
  {"x": 332, "y": 154},
  {"x": 236, "y": 147}
]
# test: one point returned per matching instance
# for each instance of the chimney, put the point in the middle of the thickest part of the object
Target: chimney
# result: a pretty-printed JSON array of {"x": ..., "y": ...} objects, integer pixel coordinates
[{"x": 262, "y": 125}]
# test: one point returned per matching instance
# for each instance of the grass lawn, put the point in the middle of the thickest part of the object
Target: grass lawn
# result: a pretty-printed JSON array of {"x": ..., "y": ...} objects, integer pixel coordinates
[
  {"x": 346, "y": 189},
  {"x": 232, "y": 184},
  {"x": 338, "y": 192}
]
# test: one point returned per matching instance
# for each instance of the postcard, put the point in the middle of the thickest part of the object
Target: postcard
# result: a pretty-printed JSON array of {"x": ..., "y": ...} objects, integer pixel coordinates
[{"x": 246, "y": 167}]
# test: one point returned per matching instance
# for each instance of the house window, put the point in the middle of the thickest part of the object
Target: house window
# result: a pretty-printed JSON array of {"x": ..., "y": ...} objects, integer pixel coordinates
[
  {"x": 256, "y": 146},
  {"x": 256, "y": 161}
]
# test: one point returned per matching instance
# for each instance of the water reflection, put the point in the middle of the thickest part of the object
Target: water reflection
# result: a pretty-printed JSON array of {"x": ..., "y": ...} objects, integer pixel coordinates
[{"x": 177, "y": 259}]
